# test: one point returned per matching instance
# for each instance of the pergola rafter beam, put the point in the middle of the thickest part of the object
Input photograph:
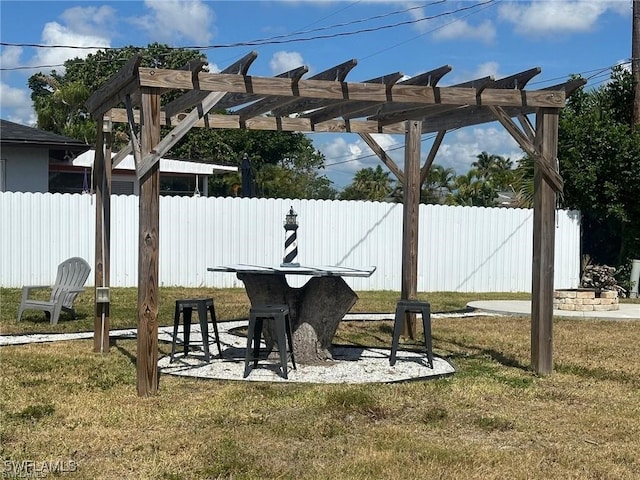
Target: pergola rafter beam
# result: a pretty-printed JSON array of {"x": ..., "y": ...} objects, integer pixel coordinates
[
  {"x": 339, "y": 108},
  {"x": 114, "y": 91},
  {"x": 192, "y": 97},
  {"x": 297, "y": 106},
  {"x": 430, "y": 78},
  {"x": 337, "y": 73},
  {"x": 393, "y": 112},
  {"x": 518, "y": 80},
  {"x": 282, "y": 124}
]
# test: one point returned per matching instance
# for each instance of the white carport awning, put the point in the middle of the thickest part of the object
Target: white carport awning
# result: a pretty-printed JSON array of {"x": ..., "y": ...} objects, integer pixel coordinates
[{"x": 166, "y": 165}]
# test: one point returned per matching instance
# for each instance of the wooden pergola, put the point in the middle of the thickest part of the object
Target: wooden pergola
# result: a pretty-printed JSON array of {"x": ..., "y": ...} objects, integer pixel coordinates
[{"x": 325, "y": 102}]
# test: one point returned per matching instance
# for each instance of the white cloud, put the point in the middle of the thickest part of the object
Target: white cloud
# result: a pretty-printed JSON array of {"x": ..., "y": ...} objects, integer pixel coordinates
[
  {"x": 91, "y": 21},
  {"x": 460, "y": 148},
  {"x": 82, "y": 30},
  {"x": 458, "y": 151},
  {"x": 556, "y": 16},
  {"x": 461, "y": 30},
  {"x": 284, "y": 61},
  {"x": 487, "y": 69},
  {"x": 84, "y": 27},
  {"x": 171, "y": 21},
  {"x": 15, "y": 105},
  {"x": 56, "y": 34},
  {"x": 344, "y": 158},
  {"x": 10, "y": 57}
]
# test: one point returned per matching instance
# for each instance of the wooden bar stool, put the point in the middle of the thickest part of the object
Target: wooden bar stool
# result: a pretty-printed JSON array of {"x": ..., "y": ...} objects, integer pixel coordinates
[
  {"x": 185, "y": 308},
  {"x": 280, "y": 315},
  {"x": 412, "y": 306}
]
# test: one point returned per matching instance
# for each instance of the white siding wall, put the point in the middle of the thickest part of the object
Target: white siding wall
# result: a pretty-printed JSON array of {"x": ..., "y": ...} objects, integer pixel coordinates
[
  {"x": 26, "y": 169},
  {"x": 461, "y": 248}
]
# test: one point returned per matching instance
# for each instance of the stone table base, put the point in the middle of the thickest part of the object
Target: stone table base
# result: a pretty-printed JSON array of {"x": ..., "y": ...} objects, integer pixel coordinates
[{"x": 316, "y": 310}]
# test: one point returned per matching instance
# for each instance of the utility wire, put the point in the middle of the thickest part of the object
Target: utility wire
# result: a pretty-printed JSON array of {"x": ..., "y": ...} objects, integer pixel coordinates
[
  {"x": 269, "y": 41},
  {"x": 274, "y": 39}
]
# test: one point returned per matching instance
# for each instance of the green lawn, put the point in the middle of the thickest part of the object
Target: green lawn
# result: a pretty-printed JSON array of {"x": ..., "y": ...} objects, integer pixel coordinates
[{"x": 493, "y": 419}]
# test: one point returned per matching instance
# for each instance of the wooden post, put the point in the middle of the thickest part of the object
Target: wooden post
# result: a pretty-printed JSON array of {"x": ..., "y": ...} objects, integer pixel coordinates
[
  {"x": 102, "y": 188},
  {"x": 410, "y": 220},
  {"x": 544, "y": 205},
  {"x": 149, "y": 223}
]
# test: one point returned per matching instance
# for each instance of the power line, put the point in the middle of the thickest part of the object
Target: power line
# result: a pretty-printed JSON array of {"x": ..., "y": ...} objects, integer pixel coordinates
[
  {"x": 364, "y": 157},
  {"x": 391, "y": 47},
  {"x": 272, "y": 40}
]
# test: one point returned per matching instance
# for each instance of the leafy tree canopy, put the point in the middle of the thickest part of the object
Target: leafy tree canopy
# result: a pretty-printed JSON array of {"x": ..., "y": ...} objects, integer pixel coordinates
[
  {"x": 285, "y": 164},
  {"x": 372, "y": 184},
  {"x": 599, "y": 156}
]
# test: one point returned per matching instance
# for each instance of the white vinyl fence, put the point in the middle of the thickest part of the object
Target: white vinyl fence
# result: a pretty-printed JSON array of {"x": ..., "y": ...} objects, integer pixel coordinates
[{"x": 464, "y": 249}]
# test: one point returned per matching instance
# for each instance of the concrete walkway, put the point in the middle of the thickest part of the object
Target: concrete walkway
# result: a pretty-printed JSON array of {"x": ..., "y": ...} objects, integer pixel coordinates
[{"x": 627, "y": 311}]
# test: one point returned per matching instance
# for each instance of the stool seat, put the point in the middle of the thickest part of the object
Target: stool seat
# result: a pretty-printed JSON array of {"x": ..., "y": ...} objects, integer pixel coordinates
[
  {"x": 412, "y": 306},
  {"x": 203, "y": 306},
  {"x": 278, "y": 314}
]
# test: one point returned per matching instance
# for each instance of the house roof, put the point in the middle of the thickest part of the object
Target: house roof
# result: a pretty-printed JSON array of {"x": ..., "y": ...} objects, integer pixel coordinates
[
  {"x": 166, "y": 165},
  {"x": 14, "y": 134}
]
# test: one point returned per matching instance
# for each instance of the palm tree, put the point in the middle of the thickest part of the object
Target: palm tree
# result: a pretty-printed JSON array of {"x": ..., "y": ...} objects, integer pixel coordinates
[
  {"x": 523, "y": 182},
  {"x": 369, "y": 184},
  {"x": 484, "y": 164},
  {"x": 439, "y": 184},
  {"x": 472, "y": 190}
]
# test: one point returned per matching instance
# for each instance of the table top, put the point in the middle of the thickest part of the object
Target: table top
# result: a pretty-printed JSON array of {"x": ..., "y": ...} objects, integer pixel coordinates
[{"x": 315, "y": 270}]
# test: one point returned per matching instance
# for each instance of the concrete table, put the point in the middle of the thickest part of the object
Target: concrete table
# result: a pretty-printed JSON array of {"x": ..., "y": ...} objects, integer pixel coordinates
[{"x": 316, "y": 308}]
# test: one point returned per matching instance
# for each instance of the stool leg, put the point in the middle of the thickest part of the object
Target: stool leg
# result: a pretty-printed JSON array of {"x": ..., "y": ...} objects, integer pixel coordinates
[
  {"x": 397, "y": 328},
  {"x": 176, "y": 321},
  {"x": 214, "y": 321},
  {"x": 290, "y": 337},
  {"x": 257, "y": 337},
  {"x": 186, "y": 316},
  {"x": 426, "y": 326},
  {"x": 204, "y": 329},
  {"x": 248, "y": 353},
  {"x": 282, "y": 343}
]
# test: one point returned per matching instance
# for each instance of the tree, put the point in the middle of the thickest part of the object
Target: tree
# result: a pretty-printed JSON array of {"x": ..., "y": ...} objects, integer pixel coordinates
[
  {"x": 59, "y": 98},
  {"x": 438, "y": 185},
  {"x": 494, "y": 170},
  {"x": 470, "y": 191},
  {"x": 599, "y": 152},
  {"x": 291, "y": 164},
  {"x": 369, "y": 184},
  {"x": 60, "y": 107},
  {"x": 523, "y": 177}
]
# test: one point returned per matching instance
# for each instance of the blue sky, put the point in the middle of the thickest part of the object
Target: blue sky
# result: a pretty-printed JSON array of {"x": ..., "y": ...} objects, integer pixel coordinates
[{"x": 475, "y": 37}]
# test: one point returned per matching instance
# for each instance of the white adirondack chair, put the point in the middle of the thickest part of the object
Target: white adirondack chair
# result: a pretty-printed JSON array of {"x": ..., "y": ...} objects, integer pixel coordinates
[{"x": 72, "y": 275}]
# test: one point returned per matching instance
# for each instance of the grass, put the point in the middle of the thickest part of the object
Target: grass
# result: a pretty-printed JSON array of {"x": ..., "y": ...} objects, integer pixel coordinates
[{"x": 493, "y": 419}]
